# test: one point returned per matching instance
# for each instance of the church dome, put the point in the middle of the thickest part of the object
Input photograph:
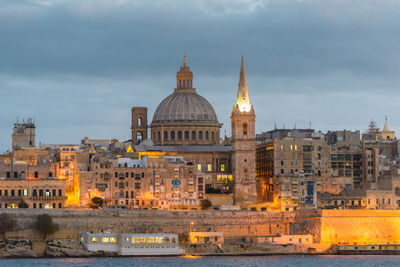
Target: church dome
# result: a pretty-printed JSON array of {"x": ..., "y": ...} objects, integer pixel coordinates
[
  {"x": 185, "y": 117},
  {"x": 185, "y": 105}
]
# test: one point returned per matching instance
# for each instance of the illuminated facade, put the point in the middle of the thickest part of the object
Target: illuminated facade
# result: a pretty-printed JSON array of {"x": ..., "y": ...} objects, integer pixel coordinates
[{"x": 36, "y": 193}]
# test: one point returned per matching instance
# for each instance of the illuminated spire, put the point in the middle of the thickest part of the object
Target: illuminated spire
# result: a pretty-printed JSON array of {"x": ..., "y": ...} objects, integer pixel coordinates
[
  {"x": 243, "y": 100},
  {"x": 184, "y": 60}
]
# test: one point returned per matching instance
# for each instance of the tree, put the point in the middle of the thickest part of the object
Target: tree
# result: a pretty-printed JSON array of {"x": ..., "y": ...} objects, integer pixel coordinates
[
  {"x": 205, "y": 204},
  {"x": 96, "y": 202},
  {"x": 7, "y": 223},
  {"x": 23, "y": 205},
  {"x": 45, "y": 225}
]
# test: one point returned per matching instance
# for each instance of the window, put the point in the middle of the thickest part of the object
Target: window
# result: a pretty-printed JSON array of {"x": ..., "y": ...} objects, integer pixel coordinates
[
  {"x": 206, "y": 135},
  {"x": 200, "y": 135},
  {"x": 159, "y": 136},
  {"x": 295, "y": 147},
  {"x": 139, "y": 137},
  {"x": 186, "y": 135},
  {"x": 281, "y": 147},
  {"x": 209, "y": 167},
  {"x": 222, "y": 167},
  {"x": 199, "y": 167},
  {"x": 212, "y": 136},
  {"x": 244, "y": 128},
  {"x": 36, "y": 174},
  {"x": 165, "y": 135},
  {"x": 193, "y": 135},
  {"x": 94, "y": 240},
  {"x": 47, "y": 194},
  {"x": 172, "y": 135},
  {"x": 60, "y": 192},
  {"x": 139, "y": 121},
  {"x": 179, "y": 135}
]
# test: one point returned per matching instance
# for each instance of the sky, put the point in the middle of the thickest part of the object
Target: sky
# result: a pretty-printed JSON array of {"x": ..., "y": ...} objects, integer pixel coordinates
[{"x": 77, "y": 67}]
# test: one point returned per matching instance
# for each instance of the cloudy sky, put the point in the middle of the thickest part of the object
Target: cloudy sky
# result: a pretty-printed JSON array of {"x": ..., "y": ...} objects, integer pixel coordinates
[{"x": 78, "y": 67}]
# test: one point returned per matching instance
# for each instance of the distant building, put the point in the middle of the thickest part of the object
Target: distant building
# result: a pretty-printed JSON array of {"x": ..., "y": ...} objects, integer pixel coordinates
[
  {"x": 37, "y": 193},
  {"x": 24, "y": 134}
]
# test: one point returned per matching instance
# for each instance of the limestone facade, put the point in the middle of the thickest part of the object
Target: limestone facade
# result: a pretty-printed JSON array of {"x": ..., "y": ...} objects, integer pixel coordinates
[{"x": 37, "y": 193}]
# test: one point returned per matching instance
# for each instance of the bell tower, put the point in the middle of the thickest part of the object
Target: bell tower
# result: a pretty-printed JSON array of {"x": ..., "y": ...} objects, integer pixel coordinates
[
  {"x": 139, "y": 124},
  {"x": 243, "y": 146}
]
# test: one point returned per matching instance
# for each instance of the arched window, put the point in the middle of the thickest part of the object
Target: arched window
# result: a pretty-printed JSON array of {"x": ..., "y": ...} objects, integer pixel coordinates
[
  {"x": 200, "y": 135},
  {"x": 172, "y": 135},
  {"x": 139, "y": 137},
  {"x": 184, "y": 83},
  {"x": 154, "y": 136},
  {"x": 186, "y": 135},
  {"x": 206, "y": 135},
  {"x": 159, "y": 136},
  {"x": 244, "y": 128},
  {"x": 179, "y": 135},
  {"x": 139, "y": 121},
  {"x": 193, "y": 135},
  {"x": 212, "y": 136},
  {"x": 165, "y": 135}
]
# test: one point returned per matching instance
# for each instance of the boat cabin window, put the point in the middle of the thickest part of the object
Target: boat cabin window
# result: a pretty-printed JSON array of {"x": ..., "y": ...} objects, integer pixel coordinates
[{"x": 94, "y": 239}]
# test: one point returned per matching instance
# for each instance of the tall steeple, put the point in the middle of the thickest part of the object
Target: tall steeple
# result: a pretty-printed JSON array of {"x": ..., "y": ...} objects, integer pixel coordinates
[
  {"x": 386, "y": 127},
  {"x": 243, "y": 146},
  {"x": 243, "y": 100}
]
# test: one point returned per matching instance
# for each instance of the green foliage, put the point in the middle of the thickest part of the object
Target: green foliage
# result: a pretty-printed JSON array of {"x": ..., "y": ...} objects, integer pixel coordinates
[
  {"x": 205, "y": 204},
  {"x": 7, "y": 223},
  {"x": 45, "y": 225},
  {"x": 23, "y": 205},
  {"x": 96, "y": 202}
]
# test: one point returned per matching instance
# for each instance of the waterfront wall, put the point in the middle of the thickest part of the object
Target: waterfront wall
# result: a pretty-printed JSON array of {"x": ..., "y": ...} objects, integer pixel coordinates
[
  {"x": 360, "y": 226},
  {"x": 232, "y": 223},
  {"x": 327, "y": 226}
]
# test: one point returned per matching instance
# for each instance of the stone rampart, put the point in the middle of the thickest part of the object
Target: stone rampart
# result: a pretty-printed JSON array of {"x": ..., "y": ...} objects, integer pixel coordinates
[{"x": 231, "y": 223}]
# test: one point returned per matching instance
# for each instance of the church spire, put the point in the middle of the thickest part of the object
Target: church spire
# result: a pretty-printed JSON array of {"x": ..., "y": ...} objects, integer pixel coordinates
[
  {"x": 184, "y": 60},
  {"x": 242, "y": 99},
  {"x": 386, "y": 127}
]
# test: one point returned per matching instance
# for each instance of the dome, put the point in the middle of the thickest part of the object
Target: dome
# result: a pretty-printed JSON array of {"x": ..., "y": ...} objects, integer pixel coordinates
[{"x": 183, "y": 106}]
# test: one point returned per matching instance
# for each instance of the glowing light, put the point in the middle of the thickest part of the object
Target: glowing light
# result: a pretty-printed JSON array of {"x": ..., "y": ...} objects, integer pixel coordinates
[{"x": 244, "y": 107}]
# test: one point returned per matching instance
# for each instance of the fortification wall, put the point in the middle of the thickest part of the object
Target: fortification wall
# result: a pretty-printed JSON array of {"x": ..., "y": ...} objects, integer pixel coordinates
[
  {"x": 231, "y": 223},
  {"x": 360, "y": 226}
]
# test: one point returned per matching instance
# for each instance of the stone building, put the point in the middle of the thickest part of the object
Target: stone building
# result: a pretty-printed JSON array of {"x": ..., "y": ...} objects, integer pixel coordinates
[
  {"x": 39, "y": 193},
  {"x": 24, "y": 134},
  {"x": 290, "y": 158},
  {"x": 186, "y": 125}
]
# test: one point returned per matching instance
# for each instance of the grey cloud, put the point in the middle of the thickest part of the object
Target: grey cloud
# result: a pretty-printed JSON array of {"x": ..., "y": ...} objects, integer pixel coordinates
[{"x": 79, "y": 66}]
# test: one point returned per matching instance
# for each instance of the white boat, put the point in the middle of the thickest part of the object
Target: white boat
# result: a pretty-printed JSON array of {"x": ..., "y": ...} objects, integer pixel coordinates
[{"x": 132, "y": 244}]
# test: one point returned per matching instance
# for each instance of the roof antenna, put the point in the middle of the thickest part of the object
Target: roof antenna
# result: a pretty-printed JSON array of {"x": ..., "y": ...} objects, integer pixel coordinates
[{"x": 310, "y": 124}]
